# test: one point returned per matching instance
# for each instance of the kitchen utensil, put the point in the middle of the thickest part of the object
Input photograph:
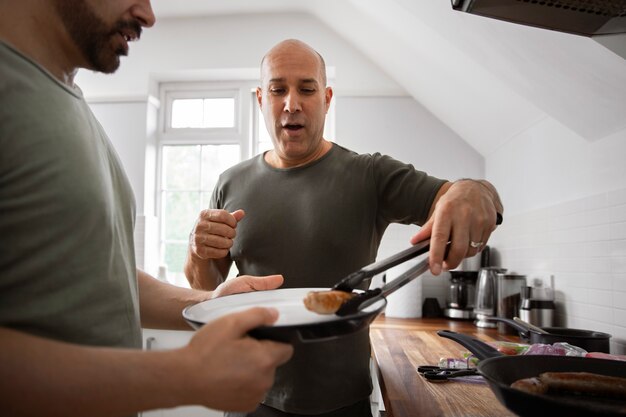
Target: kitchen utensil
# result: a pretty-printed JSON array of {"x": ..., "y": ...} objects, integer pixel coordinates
[
  {"x": 529, "y": 326},
  {"x": 508, "y": 292},
  {"x": 368, "y": 297},
  {"x": 431, "y": 308},
  {"x": 349, "y": 283},
  {"x": 486, "y": 290},
  {"x": 436, "y": 373},
  {"x": 461, "y": 295},
  {"x": 501, "y": 371},
  {"x": 295, "y": 323},
  {"x": 589, "y": 340},
  {"x": 538, "y": 306}
]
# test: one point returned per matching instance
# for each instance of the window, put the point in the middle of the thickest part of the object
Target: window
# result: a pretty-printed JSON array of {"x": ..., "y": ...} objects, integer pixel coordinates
[
  {"x": 204, "y": 128},
  {"x": 204, "y": 113},
  {"x": 189, "y": 174}
]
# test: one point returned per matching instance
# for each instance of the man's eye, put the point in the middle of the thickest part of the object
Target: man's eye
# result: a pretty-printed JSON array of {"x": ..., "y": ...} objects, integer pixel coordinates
[
  {"x": 277, "y": 90},
  {"x": 308, "y": 90}
]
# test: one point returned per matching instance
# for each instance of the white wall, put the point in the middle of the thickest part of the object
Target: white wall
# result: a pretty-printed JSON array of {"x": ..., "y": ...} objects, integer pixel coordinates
[
  {"x": 189, "y": 47},
  {"x": 565, "y": 215}
]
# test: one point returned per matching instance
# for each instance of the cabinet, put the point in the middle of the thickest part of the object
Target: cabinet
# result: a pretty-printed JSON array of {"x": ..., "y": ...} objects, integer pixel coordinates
[{"x": 171, "y": 339}]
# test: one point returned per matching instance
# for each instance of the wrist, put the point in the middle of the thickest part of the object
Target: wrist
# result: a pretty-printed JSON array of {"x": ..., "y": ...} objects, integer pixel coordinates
[{"x": 493, "y": 194}]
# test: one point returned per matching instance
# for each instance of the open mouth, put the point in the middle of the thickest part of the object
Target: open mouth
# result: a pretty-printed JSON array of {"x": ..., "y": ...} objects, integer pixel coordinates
[
  {"x": 293, "y": 127},
  {"x": 128, "y": 35}
]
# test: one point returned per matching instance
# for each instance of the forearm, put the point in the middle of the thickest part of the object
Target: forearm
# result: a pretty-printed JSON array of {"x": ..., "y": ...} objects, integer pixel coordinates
[
  {"x": 40, "y": 377},
  {"x": 206, "y": 274},
  {"x": 161, "y": 304}
]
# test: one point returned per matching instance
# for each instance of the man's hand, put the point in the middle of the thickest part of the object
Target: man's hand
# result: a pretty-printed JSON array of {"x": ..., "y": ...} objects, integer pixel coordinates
[
  {"x": 212, "y": 235},
  {"x": 229, "y": 370},
  {"x": 245, "y": 283},
  {"x": 465, "y": 215}
]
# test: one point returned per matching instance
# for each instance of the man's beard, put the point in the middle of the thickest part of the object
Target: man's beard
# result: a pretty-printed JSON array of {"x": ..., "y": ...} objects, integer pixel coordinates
[{"x": 93, "y": 36}]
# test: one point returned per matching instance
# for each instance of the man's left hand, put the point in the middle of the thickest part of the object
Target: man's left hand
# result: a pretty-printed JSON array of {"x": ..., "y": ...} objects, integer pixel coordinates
[{"x": 246, "y": 283}]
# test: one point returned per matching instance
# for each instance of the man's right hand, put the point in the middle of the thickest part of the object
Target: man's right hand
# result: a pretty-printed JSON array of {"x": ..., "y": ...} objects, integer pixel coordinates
[
  {"x": 229, "y": 370},
  {"x": 212, "y": 235}
]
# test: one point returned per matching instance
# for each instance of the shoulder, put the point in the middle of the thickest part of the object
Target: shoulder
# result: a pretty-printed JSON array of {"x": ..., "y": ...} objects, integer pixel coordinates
[
  {"x": 242, "y": 170},
  {"x": 374, "y": 160}
]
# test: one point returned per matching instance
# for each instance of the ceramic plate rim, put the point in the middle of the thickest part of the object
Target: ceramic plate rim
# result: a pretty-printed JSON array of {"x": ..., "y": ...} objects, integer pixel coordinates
[{"x": 190, "y": 312}]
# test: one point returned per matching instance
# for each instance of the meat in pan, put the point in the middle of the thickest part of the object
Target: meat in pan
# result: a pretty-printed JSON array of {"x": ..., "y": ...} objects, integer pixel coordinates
[
  {"x": 326, "y": 302},
  {"x": 584, "y": 383}
]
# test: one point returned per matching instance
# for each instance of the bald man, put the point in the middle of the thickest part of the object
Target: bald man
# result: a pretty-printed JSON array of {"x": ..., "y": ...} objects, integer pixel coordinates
[{"x": 315, "y": 211}]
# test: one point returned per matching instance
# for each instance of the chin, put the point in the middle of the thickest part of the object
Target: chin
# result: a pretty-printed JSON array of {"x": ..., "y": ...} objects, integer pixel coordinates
[{"x": 107, "y": 64}]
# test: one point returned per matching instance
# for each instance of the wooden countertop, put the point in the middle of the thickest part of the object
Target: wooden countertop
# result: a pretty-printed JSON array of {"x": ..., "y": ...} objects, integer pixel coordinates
[{"x": 401, "y": 345}]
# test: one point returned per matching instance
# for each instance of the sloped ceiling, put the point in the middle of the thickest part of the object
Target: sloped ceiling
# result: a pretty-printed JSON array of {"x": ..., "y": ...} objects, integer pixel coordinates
[{"x": 487, "y": 80}]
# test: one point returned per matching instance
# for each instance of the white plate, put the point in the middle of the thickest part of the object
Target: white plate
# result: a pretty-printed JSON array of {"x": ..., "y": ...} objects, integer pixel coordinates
[{"x": 288, "y": 302}]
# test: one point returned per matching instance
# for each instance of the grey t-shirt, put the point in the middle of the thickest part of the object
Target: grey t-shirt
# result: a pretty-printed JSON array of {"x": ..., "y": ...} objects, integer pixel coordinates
[
  {"x": 316, "y": 224},
  {"x": 67, "y": 266}
]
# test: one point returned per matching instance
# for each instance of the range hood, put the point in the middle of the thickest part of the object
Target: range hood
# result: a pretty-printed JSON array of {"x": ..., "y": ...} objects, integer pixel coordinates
[{"x": 581, "y": 17}]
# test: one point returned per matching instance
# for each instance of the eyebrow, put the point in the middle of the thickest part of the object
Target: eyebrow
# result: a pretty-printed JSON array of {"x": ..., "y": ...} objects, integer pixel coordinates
[{"x": 305, "y": 80}]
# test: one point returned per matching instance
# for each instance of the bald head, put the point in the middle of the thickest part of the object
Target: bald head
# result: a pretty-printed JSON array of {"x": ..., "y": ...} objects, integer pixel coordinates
[{"x": 292, "y": 49}]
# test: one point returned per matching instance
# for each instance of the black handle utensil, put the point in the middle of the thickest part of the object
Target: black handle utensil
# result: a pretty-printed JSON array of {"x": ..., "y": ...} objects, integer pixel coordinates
[
  {"x": 366, "y": 298},
  {"x": 351, "y": 282}
]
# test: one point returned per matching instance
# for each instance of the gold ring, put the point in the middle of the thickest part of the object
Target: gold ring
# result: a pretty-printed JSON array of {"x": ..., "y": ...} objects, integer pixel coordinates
[{"x": 475, "y": 245}]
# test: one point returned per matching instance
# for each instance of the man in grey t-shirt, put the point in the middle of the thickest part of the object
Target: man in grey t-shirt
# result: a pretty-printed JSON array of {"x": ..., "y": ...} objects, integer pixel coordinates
[
  {"x": 71, "y": 299},
  {"x": 315, "y": 212}
]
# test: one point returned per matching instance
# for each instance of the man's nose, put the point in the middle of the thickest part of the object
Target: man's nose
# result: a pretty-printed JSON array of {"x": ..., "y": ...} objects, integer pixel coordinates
[
  {"x": 292, "y": 103},
  {"x": 142, "y": 11}
]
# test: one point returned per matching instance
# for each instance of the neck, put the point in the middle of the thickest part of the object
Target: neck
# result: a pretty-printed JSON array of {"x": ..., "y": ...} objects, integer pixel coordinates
[
  {"x": 274, "y": 160},
  {"x": 34, "y": 29}
]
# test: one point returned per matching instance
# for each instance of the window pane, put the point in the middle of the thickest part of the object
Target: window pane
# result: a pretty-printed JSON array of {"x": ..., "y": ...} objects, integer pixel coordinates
[
  {"x": 265, "y": 141},
  {"x": 187, "y": 113},
  {"x": 219, "y": 112},
  {"x": 180, "y": 210},
  {"x": 215, "y": 160},
  {"x": 181, "y": 167},
  {"x": 205, "y": 199},
  {"x": 175, "y": 254}
]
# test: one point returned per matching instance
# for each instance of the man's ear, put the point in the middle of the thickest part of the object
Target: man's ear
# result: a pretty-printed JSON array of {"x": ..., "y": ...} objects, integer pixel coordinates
[
  {"x": 328, "y": 95},
  {"x": 259, "y": 97}
]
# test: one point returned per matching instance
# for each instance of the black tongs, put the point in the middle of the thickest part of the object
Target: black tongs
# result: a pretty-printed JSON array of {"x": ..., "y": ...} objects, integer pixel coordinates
[{"x": 366, "y": 298}]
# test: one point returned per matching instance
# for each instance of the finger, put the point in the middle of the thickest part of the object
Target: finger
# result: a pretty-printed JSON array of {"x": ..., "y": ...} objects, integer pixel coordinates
[
  {"x": 279, "y": 353},
  {"x": 218, "y": 229},
  {"x": 423, "y": 233},
  {"x": 439, "y": 238},
  {"x": 218, "y": 216},
  {"x": 214, "y": 241},
  {"x": 459, "y": 245},
  {"x": 240, "y": 323},
  {"x": 246, "y": 283},
  {"x": 268, "y": 282},
  {"x": 238, "y": 215},
  {"x": 476, "y": 242}
]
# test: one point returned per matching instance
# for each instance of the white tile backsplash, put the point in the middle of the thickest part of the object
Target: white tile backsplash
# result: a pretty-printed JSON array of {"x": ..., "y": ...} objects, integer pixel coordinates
[{"x": 583, "y": 244}]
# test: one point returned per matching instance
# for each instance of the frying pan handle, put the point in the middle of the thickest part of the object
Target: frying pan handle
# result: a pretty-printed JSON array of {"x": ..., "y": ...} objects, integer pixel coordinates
[
  {"x": 479, "y": 348},
  {"x": 523, "y": 331}
]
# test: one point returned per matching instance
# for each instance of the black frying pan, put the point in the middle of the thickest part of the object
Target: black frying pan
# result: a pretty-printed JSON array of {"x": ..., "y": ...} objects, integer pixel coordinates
[
  {"x": 501, "y": 371},
  {"x": 589, "y": 340}
]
